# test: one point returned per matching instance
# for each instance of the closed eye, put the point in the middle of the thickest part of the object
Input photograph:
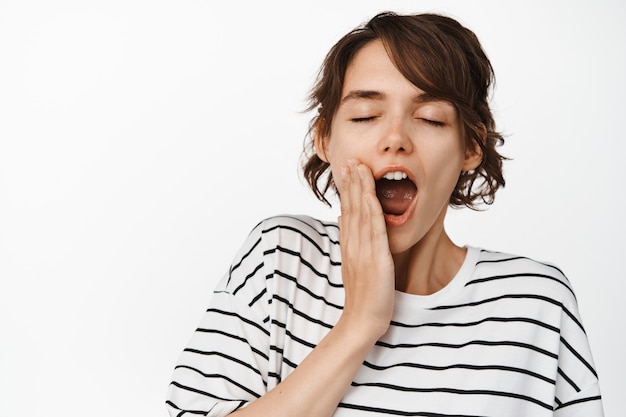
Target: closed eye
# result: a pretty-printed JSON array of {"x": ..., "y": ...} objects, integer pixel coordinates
[
  {"x": 432, "y": 122},
  {"x": 362, "y": 119}
]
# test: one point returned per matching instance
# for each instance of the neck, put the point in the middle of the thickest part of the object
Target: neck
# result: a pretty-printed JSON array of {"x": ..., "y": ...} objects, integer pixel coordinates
[{"x": 430, "y": 265}]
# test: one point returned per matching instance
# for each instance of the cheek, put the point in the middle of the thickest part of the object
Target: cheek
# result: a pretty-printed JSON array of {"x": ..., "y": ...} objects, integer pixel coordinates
[
  {"x": 445, "y": 169},
  {"x": 335, "y": 172},
  {"x": 338, "y": 156}
]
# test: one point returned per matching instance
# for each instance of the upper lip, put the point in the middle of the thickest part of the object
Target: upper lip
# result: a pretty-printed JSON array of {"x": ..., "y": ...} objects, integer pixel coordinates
[{"x": 391, "y": 168}]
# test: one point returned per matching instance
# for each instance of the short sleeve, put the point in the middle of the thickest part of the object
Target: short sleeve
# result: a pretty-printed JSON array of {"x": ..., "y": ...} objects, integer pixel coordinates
[
  {"x": 577, "y": 386},
  {"x": 225, "y": 364},
  {"x": 585, "y": 403}
]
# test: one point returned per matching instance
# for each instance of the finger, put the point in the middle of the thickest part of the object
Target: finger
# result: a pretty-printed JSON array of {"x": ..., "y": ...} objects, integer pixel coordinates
[
  {"x": 344, "y": 198},
  {"x": 351, "y": 204},
  {"x": 376, "y": 219},
  {"x": 347, "y": 228},
  {"x": 355, "y": 191},
  {"x": 378, "y": 227},
  {"x": 368, "y": 185}
]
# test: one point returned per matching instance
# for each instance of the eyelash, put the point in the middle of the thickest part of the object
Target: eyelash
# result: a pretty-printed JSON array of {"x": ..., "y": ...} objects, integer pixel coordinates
[
  {"x": 435, "y": 123},
  {"x": 363, "y": 119},
  {"x": 369, "y": 119}
]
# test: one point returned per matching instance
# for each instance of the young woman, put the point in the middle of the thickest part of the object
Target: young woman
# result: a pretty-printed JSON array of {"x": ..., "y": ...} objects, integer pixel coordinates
[{"x": 382, "y": 314}]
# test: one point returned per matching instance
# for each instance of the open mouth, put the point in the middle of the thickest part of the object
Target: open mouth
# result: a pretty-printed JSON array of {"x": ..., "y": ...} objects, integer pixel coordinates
[{"x": 396, "y": 192}]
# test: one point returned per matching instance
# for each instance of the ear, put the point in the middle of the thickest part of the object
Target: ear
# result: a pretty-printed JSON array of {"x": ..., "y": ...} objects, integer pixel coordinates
[
  {"x": 473, "y": 157},
  {"x": 321, "y": 145}
]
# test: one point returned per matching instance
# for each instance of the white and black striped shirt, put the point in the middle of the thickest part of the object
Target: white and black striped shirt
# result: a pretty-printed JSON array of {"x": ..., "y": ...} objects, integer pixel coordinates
[{"x": 503, "y": 338}]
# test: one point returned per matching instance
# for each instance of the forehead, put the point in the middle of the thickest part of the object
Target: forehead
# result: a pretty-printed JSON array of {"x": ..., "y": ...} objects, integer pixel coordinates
[
  {"x": 371, "y": 75},
  {"x": 371, "y": 67}
]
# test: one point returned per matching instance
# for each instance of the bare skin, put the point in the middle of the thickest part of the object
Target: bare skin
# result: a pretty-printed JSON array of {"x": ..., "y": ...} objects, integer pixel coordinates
[{"x": 391, "y": 127}]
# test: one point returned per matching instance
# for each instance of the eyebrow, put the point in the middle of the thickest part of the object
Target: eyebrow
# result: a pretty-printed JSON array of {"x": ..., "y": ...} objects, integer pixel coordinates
[
  {"x": 378, "y": 95},
  {"x": 363, "y": 95}
]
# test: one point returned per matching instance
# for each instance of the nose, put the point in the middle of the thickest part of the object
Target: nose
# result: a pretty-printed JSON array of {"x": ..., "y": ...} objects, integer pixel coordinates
[{"x": 395, "y": 138}]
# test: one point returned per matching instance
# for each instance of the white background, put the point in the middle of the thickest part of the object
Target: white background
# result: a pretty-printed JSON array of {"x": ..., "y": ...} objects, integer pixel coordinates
[{"x": 141, "y": 140}]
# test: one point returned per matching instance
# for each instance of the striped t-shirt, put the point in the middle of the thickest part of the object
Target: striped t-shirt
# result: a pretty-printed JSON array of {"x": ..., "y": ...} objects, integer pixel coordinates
[{"x": 503, "y": 338}]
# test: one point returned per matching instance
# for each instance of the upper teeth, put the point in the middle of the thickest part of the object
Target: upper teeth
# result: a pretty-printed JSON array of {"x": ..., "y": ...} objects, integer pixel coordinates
[{"x": 395, "y": 175}]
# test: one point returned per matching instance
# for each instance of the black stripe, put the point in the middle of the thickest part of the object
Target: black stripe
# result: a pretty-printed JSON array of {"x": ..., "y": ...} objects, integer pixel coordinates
[
  {"x": 280, "y": 350},
  {"x": 514, "y": 258},
  {"x": 286, "y": 361},
  {"x": 254, "y": 299},
  {"x": 292, "y": 336},
  {"x": 228, "y": 357},
  {"x": 555, "y": 268},
  {"x": 307, "y": 290},
  {"x": 305, "y": 263},
  {"x": 309, "y": 239},
  {"x": 245, "y": 320},
  {"x": 239, "y": 338},
  {"x": 275, "y": 376},
  {"x": 568, "y": 379},
  {"x": 301, "y": 314},
  {"x": 456, "y": 391},
  {"x": 220, "y": 376},
  {"x": 238, "y": 264},
  {"x": 473, "y": 342},
  {"x": 502, "y": 297},
  {"x": 517, "y": 296},
  {"x": 579, "y": 356},
  {"x": 475, "y": 323},
  {"x": 580, "y": 400},
  {"x": 490, "y": 261},
  {"x": 276, "y": 349},
  {"x": 463, "y": 366},
  {"x": 520, "y": 275},
  {"x": 257, "y": 297},
  {"x": 299, "y": 340},
  {"x": 197, "y": 391},
  {"x": 311, "y": 226},
  {"x": 182, "y": 412},
  {"x": 574, "y": 319},
  {"x": 250, "y": 275}
]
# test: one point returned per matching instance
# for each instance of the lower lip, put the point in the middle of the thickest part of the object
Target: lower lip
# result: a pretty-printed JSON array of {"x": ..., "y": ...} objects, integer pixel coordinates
[{"x": 395, "y": 221}]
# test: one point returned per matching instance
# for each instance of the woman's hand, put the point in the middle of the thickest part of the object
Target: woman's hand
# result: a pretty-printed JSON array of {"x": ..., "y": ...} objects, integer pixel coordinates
[
  {"x": 367, "y": 265},
  {"x": 319, "y": 382}
]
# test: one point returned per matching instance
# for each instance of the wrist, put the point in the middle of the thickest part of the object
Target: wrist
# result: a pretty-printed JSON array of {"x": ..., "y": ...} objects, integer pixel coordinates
[{"x": 359, "y": 331}]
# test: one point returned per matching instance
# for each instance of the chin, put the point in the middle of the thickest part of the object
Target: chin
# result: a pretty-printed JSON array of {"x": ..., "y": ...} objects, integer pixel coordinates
[{"x": 402, "y": 242}]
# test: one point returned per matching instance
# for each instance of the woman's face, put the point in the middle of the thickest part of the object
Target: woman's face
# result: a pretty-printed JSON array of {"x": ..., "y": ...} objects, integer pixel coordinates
[{"x": 412, "y": 143}]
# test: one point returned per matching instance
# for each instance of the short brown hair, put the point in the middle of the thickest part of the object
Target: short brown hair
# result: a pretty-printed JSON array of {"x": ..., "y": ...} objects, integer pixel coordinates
[{"x": 442, "y": 58}]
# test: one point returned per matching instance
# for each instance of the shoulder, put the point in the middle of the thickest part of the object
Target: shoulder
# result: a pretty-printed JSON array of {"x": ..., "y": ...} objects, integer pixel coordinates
[
  {"x": 278, "y": 246},
  {"x": 293, "y": 231},
  {"x": 279, "y": 238},
  {"x": 300, "y": 223},
  {"x": 284, "y": 254},
  {"x": 523, "y": 274}
]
